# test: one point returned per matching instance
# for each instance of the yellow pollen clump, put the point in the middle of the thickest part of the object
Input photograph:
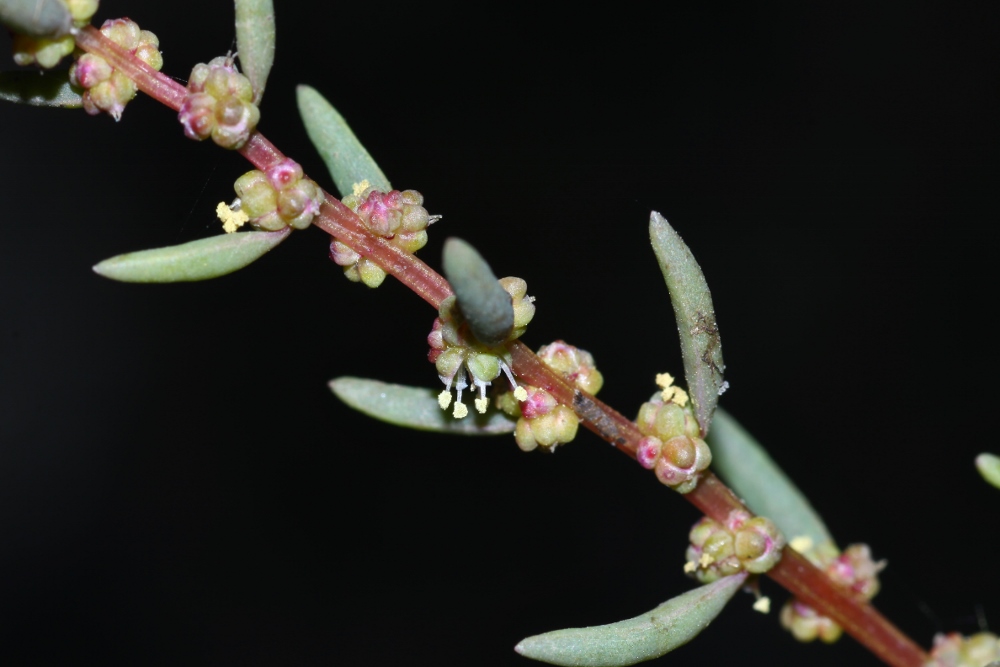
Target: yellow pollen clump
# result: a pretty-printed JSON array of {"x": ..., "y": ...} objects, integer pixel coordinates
[
  {"x": 670, "y": 392},
  {"x": 358, "y": 188},
  {"x": 664, "y": 380},
  {"x": 231, "y": 220},
  {"x": 444, "y": 399}
]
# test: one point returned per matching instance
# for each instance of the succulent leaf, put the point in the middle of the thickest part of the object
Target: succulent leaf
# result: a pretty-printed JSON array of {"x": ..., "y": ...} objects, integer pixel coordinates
[
  {"x": 38, "y": 18},
  {"x": 346, "y": 159},
  {"x": 198, "y": 260},
  {"x": 486, "y": 305},
  {"x": 413, "y": 407},
  {"x": 655, "y": 633},
  {"x": 255, "y": 42},
  {"x": 755, "y": 477},
  {"x": 701, "y": 346},
  {"x": 51, "y": 89}
]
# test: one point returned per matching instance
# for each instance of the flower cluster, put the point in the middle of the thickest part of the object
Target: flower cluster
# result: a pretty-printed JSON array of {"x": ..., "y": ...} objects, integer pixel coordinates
[
  {"x": 459, "y": 357},
  {"x": 743, "y": 542},
  {"x": 672, "y": 446},
  {"x": 397, "y": 216},
  {"x": 542, "y": 421},
  {"x": 107, "y": 89},
  {"x": 219, "y": 104},
  {"x": 280, "y": 197},
  {"x": 954, "y": 650},
  {"x": 48, "y": 51},
  {"x": 853, "y": 569}
]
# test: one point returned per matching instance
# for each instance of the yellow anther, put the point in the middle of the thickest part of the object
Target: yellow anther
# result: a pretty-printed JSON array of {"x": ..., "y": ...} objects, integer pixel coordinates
[
  {"x": 481, "y": 405},
  {"x": 521, "y": 394},
  {"x": 359, "y": 188},
  {"x": 763, "y": 605},
  {"x": 664, "y": 380},
  {"x": 690, "y": 567},
  {"x": 680, "y": 396},
  {"x": 444, "y": 399},
  {"x": 231, "y": 220},
  {"x": 460, "y": 411},
  {"x": 705, "y": 560}
]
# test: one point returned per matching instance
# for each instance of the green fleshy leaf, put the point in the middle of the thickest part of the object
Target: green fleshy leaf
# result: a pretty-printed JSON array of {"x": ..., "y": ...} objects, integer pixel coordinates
[
  {"x": 255, "y": 42},
  {"x": 414, "y": 407},
  {"x": 38, "y": 18},
  {"x": 345, "y": 157},
  {"x": 655, "y": 633},
  {"x": 756, "y": 478},
  {"x": 198, "y": 260},
  {"x": 701, "y": 346},
  {"x": 486, "y": 305},
  {"x": 989, "y": 467},
  {"x": 49, "y": 89}
]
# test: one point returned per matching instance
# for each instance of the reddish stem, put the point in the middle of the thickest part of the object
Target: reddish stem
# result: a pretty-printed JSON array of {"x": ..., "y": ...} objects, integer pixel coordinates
[{"x": 711, "y": 496}]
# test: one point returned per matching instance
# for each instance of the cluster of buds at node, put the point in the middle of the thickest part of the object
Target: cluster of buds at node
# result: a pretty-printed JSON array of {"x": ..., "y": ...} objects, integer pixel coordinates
[
  {"x": 280, "y": 197},
  {"x": 107, "y": 89},
  {"x": 459, "y": 357},
  {"x": 541, "y": 420},
  {"x": 672, "y": 446},
  {"x": 853, "y": 569},
  {"x": 954, "y": 650},
  {"x": 743, "y": 542},
  {"x": 397, "y": 216},
  {"x": 219, "y": 104},
  {"x": 574, "y": 364},
  {"x": 48, "y": 51}
]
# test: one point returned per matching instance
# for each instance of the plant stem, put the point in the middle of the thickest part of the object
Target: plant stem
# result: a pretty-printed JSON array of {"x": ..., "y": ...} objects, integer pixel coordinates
[{"x": 711, "y": 496}]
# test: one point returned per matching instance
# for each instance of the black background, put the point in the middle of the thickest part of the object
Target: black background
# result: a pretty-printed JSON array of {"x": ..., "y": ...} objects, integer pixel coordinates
[{"x": 179, "y": 486}]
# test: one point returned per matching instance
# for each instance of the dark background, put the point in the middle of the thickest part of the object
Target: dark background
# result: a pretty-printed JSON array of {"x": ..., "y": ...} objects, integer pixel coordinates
[{"x": 179, "y": 486}]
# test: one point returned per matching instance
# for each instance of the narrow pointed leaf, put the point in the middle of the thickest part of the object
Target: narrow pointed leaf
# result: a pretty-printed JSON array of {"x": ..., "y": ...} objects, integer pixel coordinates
[
  {"x": 414, "y": 407},
  {"x": 49, "y": 89},
  {"x": 655, "y": 633},
  {"x": 38, "y": 18},
  {"x": 989, "y": 467},
  {"x": 346, "y": 159},
  {"x": 255, "y": 42},
  {"x": 756, "y": 478},
  {"x": 701, "y": 346},
  {"x": 486, "y": 305},
  {"x": 198, "y": 260}
]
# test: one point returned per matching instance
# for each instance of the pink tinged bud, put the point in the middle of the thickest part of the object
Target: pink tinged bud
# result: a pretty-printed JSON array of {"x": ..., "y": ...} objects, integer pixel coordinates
[
  {"x": 682, "y": 459},
  {"x": 648, "y": 451},
  {"x": 123, "y": 32},
  {"x": 434, "y": 338},
  {"x": 89, "y": 71},
  {"x": 342, "y": 254},
  {"x": 299, "y": 204},
  {"x": 539, "y": 402},
  {"x": 284, "y": 174},
  {"x": 197, "y": 116}
]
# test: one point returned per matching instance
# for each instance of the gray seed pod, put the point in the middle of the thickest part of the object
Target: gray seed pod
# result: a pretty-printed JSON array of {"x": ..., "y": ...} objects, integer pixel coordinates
[
  {"x": 37, "y": 18},
  {"x": 486, "y": 306}
]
